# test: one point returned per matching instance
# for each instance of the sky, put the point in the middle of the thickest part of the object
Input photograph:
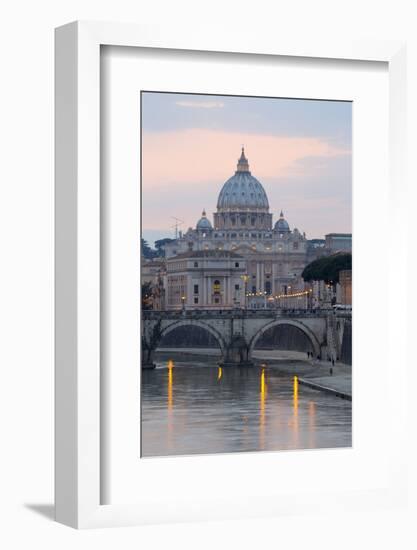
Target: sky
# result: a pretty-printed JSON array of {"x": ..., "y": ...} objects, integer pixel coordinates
[{"x": 300, "y": 150}]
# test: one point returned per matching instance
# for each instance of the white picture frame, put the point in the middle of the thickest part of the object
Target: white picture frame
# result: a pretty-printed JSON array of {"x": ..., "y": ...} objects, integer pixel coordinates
[{"x": 78, "y": 259}]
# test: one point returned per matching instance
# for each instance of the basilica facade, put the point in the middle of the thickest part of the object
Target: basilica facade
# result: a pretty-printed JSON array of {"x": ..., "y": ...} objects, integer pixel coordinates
[{"x": 273, "y": 255}]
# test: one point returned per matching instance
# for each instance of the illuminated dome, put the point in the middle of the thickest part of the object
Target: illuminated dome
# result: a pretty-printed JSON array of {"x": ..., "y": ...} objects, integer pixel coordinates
[
  {"x": 203, "y": 223},
  {"x": 282, "y": 225},
  {"x": 242, "y": 192}
]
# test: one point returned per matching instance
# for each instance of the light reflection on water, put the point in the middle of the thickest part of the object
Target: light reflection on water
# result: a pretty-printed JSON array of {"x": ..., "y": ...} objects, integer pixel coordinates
[{"x": 200, "y": 408}]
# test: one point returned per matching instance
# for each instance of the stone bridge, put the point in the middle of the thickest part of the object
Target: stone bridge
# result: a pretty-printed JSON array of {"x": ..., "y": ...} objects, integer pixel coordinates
[{"x": 237, "y": 331}]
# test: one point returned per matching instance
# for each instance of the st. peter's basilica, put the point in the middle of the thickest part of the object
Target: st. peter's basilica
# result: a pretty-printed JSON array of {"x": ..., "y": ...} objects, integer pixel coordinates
[{"x": 241, "y": 252}]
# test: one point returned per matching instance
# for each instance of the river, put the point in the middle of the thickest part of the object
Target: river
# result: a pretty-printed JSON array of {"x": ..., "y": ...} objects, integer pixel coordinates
[{"x": 192, "y": 406}]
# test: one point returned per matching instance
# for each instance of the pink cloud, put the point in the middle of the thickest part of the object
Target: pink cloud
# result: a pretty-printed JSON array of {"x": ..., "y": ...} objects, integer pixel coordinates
[
  {"x": 183, "y": 172},
  {"x": 188, "y": 156}
]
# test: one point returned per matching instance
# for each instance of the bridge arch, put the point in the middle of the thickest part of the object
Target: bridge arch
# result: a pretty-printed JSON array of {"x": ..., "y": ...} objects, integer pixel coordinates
[
  {"x": 195, "y": 323},
  {"x": 297, "y": 324}
]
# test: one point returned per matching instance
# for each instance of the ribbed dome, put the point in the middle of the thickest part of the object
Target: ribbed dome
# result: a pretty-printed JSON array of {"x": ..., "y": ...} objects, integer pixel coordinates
[
  {"x": 282, "y": 225},
  {"x": 204, "y": 223},
  {"x": 242, "y": 191}
]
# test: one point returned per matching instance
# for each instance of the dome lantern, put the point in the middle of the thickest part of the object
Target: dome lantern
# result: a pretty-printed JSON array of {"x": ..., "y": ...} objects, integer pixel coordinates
[{"x": 242, "y": 163}]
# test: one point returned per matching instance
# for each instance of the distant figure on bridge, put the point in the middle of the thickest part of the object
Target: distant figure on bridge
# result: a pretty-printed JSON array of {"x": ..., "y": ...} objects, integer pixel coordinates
[{"x": 331, "y": 371}]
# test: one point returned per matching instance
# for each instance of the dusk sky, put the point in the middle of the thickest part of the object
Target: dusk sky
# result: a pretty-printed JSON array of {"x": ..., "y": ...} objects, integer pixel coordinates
[{"x": 300, "y": 150}]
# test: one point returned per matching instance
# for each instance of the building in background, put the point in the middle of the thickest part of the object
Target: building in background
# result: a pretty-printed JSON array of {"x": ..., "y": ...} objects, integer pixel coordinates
[
  {"x": 151, "y": 270},
  {"x": 338, "y": 242},
  {"x": 153, "y": 273},
  {"x": 345, "y": 283},
  {"x": 207, "y": 279}
]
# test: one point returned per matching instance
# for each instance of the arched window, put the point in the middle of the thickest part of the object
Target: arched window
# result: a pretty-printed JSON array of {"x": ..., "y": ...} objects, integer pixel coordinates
[{"x": 216, "y": 287}]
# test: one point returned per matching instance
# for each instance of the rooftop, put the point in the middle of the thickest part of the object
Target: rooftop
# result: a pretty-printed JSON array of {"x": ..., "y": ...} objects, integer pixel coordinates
[{"x": 206, "y": 254}]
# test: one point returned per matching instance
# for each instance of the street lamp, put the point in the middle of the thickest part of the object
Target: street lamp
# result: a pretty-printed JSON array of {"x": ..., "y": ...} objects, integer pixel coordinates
[
  {"x": 183, "y": 302},
  {"x": 245, "y": 278}
]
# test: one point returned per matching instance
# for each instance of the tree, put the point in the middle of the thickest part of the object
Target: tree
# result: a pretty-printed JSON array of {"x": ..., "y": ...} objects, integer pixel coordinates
[
  {"x": 159, "y": 245},
  {"x": 149, "y": 345},
  {"x": 327, "y": 268},
  {"x": 147, "y": 251}
]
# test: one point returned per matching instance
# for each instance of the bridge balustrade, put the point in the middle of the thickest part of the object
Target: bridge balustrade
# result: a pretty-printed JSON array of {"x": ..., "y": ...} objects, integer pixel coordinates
[{"x": 237, "y": 340}]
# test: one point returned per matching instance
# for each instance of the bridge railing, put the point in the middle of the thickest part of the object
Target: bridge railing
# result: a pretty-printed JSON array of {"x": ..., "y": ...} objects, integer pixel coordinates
[{"x": 235, "y": 314}]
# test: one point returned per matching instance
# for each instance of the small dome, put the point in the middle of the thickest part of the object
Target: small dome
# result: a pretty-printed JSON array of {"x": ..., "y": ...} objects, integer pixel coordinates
[
  {"x": 242, "y": 191},
  {"x": 282, "y": 225},
  {"x": 203, "y": 223}
]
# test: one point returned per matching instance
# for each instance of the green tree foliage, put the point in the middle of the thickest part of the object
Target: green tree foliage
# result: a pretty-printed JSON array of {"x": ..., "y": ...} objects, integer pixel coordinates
[
  {"x": 149, "y": 345},
  {"x": 147, "y": 251},
  {"x": 160, "y": 244},
  {"x": 327, "y": 268}
]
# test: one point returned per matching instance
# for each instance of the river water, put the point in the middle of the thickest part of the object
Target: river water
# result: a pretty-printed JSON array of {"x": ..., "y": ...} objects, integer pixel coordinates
[{"x": 195, "y": 407}]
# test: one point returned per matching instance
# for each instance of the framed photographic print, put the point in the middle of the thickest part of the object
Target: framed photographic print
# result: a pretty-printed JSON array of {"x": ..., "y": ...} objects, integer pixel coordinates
[
  {"x": 218, "y": 310},
  {"x": 239, "y": 307}
]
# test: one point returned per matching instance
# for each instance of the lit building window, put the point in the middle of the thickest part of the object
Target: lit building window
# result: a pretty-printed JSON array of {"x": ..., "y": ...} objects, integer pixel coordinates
[{"x": 216, "y": 287}]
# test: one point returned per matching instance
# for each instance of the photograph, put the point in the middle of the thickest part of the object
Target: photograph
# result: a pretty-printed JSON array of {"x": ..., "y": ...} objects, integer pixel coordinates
[{"x": 246, "y": 274}]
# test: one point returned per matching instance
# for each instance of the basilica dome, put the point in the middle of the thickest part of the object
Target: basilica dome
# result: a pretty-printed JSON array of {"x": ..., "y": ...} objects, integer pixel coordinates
[
  {"x": 203, "y": 223},
  {"x": 242, "y": 192},
  {"x": 282, "y": 225}
]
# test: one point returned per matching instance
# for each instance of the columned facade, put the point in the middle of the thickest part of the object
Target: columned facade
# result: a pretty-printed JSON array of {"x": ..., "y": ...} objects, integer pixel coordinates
[{"x": 206, "y": 279}]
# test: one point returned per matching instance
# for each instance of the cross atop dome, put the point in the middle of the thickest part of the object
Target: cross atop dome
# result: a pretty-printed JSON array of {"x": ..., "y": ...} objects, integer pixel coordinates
[{"x": 242, "y": 165}]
